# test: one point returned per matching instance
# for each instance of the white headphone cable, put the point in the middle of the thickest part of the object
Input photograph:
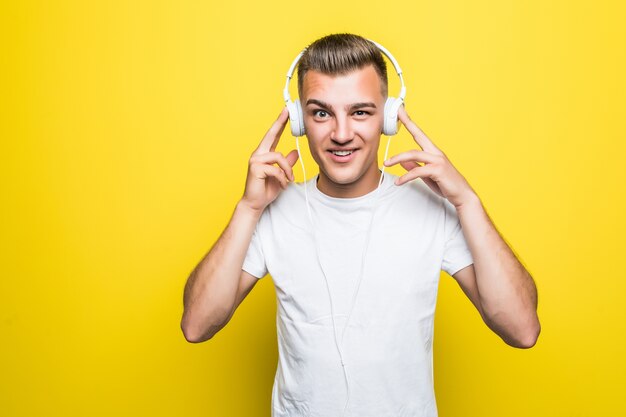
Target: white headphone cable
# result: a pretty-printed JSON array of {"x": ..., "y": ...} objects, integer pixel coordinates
[
  {"x": 367, "y": 239},
  {"x": 332, "y": 314}
]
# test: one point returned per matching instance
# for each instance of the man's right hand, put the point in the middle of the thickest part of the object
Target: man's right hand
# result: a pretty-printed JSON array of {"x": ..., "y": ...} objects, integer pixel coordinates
[{"x": 265, "y": 180}]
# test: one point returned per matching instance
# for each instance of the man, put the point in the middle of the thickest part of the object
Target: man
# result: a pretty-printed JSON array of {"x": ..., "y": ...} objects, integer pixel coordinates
[{"x": 425, "y": 221}]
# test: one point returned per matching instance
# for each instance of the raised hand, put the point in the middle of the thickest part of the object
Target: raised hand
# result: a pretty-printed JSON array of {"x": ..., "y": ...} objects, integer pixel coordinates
[
  {"x": 265, "y": 180},
  {"x": 437, "y": 172}
]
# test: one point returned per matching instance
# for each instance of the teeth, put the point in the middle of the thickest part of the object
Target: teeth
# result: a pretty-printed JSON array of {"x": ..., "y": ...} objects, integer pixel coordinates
[{"x": 342, "y": 153}]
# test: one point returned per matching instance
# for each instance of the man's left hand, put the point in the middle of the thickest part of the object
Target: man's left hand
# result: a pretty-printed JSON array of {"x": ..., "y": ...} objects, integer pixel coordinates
[{"x": 437, "y": 172}]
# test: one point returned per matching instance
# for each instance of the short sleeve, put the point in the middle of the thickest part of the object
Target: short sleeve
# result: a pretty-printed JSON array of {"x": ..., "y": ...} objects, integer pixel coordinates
[
  {"x": 254, "y": 262},
  {"x": 456, "y": 255}
]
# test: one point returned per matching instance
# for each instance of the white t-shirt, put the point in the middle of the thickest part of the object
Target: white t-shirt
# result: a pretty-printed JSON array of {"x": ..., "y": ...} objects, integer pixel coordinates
[{"x": 387, "y": 347}]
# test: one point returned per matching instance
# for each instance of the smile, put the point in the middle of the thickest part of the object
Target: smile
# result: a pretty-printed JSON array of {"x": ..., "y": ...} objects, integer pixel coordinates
[{"x": 343, "y": 155}]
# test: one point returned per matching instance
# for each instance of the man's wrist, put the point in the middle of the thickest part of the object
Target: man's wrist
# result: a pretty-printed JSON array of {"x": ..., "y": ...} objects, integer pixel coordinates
[
  {"x": 248, "y": 211},
  {"x": 471, "y": 200}
]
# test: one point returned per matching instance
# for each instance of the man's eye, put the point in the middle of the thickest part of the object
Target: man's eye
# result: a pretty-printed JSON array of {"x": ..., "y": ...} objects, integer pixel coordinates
[
  {"x": 361, "y": 112},
  {"x": 320, "y": 113}
]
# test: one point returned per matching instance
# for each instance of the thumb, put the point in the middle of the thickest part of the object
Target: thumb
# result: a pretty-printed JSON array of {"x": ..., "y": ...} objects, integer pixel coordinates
[{"x": 292, "y": 157}]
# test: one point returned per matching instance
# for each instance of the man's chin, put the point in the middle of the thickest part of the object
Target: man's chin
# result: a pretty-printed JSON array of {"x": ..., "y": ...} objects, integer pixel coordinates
[{"x": 342, "y": 177}]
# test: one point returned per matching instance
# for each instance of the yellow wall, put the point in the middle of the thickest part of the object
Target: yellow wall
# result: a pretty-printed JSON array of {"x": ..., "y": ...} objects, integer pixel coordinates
[{"x": 125, "y": 132}]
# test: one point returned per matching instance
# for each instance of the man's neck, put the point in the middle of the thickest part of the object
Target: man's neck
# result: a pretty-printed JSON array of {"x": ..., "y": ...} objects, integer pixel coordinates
[{"x": 364, "y": 185}]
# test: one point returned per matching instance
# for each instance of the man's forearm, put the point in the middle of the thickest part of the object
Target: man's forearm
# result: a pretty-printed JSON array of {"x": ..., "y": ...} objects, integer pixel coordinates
[
  {"x": 508, "y": 295},
  {"x": 211, "y": 289}
]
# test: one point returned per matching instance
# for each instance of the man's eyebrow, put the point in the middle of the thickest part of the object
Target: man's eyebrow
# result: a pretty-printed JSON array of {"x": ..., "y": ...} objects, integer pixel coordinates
[{"x": 349, "y": 107}]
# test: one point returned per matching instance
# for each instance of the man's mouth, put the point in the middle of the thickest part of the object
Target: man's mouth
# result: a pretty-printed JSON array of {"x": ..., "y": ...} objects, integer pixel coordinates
[{"x": 343, "y": 155}]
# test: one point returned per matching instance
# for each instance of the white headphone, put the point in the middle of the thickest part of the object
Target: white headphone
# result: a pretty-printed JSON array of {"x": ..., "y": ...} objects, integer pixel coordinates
[{"x": 392, "y": 105}]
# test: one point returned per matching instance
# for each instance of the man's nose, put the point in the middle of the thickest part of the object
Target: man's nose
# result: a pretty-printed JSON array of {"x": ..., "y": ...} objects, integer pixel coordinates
[{"x": 343, "y": 130}]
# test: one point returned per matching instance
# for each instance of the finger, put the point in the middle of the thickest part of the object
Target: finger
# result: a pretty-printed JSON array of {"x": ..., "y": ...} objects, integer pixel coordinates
[
  {"x": 292, "y": 157},
  {"x": 276, "y": 158},
  {"x": 409, "y": 165},
  {"x": 412, "y": 155},
  {"x": 272, "y": 171},
  {"x": 433, "y": 185},
  {"x": 277, "y": 137},
  {"x": 420, "y": 171},
  {"x": 270, "y": 140},
  {"x": 420, "y": 137}
]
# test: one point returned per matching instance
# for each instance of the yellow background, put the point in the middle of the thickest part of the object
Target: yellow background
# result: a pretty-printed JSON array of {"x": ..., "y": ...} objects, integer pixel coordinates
[{"x": 126, "y": 128}]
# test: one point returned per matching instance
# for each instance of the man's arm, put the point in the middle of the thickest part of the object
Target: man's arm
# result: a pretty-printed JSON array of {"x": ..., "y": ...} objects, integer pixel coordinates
[
  {"x": 218, "y": 284},
  {"x": 497, "y": 283},
  {"x": 501, "y": 289},
  {"x": 211, "y": 291}
]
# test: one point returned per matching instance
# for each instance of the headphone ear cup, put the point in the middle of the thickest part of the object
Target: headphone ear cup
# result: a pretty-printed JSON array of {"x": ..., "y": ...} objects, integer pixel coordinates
[
  {"x": 296, "y": 121},
  {"x": 300, "y": 118},
  {"x": 390, "y": 123}
]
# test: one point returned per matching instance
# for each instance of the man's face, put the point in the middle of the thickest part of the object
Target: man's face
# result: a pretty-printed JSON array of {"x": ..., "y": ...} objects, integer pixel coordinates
[{"x": 344, "y": 113}]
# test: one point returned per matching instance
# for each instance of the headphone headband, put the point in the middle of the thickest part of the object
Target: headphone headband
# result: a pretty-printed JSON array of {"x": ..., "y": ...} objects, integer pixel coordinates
[{"x": 292, "y": 68}]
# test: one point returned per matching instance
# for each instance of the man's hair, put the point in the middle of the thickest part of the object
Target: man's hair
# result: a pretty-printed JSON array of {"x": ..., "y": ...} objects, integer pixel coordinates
[{"x": 340, "y": 54}]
